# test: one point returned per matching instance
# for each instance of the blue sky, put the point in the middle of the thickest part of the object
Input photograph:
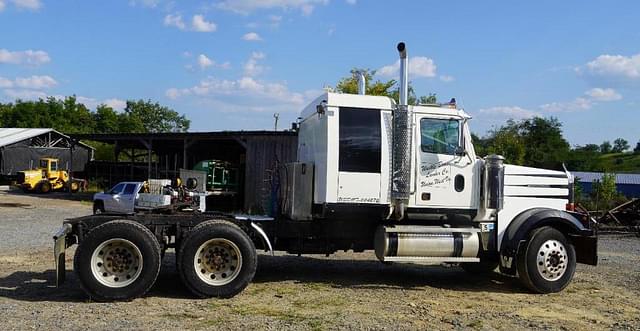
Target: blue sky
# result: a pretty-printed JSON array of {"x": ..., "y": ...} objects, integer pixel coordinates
[{"x": 233, "y": 64}]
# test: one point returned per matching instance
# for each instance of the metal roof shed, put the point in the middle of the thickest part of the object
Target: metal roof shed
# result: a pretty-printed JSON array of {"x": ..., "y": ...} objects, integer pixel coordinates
[{"x": 20, "y": 148}]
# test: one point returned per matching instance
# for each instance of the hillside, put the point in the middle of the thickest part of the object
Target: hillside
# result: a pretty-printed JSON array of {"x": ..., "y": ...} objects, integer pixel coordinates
[{"x": 621, "y": 162}]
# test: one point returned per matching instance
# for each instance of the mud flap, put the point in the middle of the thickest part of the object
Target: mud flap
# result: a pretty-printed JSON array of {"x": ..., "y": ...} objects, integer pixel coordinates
[{"x": 59, "y": 246}]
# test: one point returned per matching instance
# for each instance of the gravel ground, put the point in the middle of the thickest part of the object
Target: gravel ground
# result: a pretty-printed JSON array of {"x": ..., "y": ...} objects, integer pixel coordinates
[
  {"x": 344, "y": 291},
  {"x": 29, "y": 220}
]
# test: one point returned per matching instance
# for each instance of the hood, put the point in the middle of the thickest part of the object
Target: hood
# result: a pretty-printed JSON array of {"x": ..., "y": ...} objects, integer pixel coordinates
[{"x": 530, "y": 182}]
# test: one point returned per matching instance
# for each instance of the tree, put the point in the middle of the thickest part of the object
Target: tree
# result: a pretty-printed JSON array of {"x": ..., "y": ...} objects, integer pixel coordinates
[
  {"x": 637, "y": 149},
  {"x": 605, "y": 147},
  {"x": 506, "y": 141},
  {"x": 620, "y": 145},
  {"x": 585, "y": 158},
  {"x": 605, "y": 190},
  {"x": 389, "y": 88},
  {"x": 106, "y": 119},
  {"x": 154, "y": 118}
]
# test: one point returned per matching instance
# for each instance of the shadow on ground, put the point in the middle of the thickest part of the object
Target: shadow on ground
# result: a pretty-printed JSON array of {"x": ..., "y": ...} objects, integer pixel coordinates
[
  {"x": 336, "y": 273},
  {"x": 58, "y": 195}
]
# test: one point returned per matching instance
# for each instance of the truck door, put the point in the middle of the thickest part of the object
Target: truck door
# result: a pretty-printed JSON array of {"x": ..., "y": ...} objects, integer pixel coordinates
[
  {"x": 443, "y": 173},
  {"x": 127, "y": 199},
  {"x": 111, "y": 201}
]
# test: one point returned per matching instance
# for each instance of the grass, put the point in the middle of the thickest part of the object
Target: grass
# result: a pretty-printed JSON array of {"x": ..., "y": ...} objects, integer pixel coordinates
[{"x": 621, "y": 162}]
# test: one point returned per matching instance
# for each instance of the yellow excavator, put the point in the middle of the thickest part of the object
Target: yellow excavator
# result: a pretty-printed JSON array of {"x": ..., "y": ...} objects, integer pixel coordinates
[{"x": 46, "y": 178}]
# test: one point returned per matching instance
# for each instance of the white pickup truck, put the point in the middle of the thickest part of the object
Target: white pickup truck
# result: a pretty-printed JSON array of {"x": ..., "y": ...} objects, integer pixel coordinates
[
  {"x": 119, "y": 199},
  {"x": 129, "y": 197}
]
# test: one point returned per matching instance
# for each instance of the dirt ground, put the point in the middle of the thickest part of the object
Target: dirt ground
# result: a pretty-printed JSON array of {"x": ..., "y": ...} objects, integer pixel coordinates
[{"x": 343, "y": 291}]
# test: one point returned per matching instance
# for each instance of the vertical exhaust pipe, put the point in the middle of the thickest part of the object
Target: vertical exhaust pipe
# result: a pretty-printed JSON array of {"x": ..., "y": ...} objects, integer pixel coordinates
[
  {"x": 401, "y": 140},
  {"x": 362, "y": 82},
  {"x": 404, "y": 75}
]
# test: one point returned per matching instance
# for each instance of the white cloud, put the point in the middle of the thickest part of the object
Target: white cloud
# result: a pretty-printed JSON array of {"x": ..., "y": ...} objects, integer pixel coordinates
[
  {"x": 590, "y": 98},
  {"x": 28, "y": 57},
  {"x": 186, "y": 54},
  {"x": 145, "y": 3},
  {"x": 447, "y": 78},
  {"x": 5, "y": 83},
  {"x": 204, "y": 62},
  {"x": 116, "y": 104},
  {"x": 419, "y": 66},
  {"x": 36, "y": 82},
  {"x": 613, "y": 66},
  {"x": 579, "y": 103},
  {"x": 275, "y": 19},
  {"x": 246, "y": 7},
  {"x": 251, "y": 36},
  {"x": 513, "y": 112},
  {"x": 252, "y": 67},
  {"x": 28, "y": 4},
  {"x": 352, "y": 2},
  {"x": 243, "y": 87},
  {"x": 174, "y": 20},
  {"x": 2, "y": 5},
  {"x": 603, "y": 94},
  {"x": 200, "y": 24},
  {"x": 173, "y": 93},
  {"x": 24, "y": 94},
  {"x": 225, "y": 65}
]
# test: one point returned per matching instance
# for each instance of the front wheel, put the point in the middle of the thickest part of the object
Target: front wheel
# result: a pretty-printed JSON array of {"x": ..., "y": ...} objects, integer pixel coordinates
[
  {"x": 118, "y": 260},
  {"x": 217, "y": 259},
  {"x": 98, "y": 207},
  {"x": 548, "y": 261}
]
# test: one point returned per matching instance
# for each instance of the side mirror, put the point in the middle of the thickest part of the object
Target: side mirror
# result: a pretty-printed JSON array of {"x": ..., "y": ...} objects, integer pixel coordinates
[{"x": 460, "y": 151}]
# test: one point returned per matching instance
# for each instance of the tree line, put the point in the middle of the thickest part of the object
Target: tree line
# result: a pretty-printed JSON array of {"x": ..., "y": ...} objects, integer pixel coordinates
[{"x": 69, "y": 116}]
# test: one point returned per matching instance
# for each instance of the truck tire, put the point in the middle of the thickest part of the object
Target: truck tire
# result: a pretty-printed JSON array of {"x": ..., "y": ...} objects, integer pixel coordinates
[
  {"x": 118, "y": 260},
  {"x": 483, "y": 267},
  {"x": 43, "y": 187},
  {"x": 547, "y": 262},
  {"x": 98, "y": 207},
  {"x": 217, "y": 259}
]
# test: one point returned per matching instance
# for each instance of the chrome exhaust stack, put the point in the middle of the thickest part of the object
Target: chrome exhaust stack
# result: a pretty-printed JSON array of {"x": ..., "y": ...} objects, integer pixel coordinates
[
  {"x": 404, "y": 75},
  {"x": 401, "y": 140},
  {"x": 362, "y": 82}
]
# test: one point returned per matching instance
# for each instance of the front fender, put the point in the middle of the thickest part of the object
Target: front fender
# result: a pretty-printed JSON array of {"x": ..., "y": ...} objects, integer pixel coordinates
[{"x": 584, "y": 238}]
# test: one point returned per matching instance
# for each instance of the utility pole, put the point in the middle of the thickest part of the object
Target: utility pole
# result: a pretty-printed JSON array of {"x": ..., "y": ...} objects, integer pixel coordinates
[{"x": 276, "y": 116}]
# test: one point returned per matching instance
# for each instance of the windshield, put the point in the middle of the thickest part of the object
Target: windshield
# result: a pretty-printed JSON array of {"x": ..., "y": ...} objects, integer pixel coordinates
[
  {"x": 117, "y": 189},
  {"x": 44, "y": 164}
]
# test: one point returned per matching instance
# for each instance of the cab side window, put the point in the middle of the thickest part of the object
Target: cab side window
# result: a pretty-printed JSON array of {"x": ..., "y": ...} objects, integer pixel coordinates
[
  {"x": 130, "y": 189},
  {"x": 439, "y": 136},
  {"x": 54, "y": 166}
]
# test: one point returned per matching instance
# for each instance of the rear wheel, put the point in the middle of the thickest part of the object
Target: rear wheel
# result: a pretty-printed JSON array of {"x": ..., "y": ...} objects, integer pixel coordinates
[
  {"x": 118, "y": 260},
  {"x": 548, "y": 262},
  {"x": 217, "y": 259}
]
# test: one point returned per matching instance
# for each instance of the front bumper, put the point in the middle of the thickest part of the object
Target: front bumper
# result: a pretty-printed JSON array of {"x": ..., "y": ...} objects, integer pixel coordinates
[{"x": 61, "y": 240}]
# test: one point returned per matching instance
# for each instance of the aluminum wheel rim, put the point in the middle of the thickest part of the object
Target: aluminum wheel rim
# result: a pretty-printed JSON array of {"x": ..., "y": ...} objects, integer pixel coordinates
[
  {"x": 552, "y": 260},
  {"x": 116, "y": 263},
  {"x": 218, "y": 261}
]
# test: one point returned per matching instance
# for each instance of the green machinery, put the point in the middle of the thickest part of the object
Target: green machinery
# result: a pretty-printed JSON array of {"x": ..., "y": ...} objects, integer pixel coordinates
[{"x": 222, "y": 176}]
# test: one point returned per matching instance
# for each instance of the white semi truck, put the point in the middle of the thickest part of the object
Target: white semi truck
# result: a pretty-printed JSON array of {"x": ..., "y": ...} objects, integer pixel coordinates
[{"x": 403, "y": 180}]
